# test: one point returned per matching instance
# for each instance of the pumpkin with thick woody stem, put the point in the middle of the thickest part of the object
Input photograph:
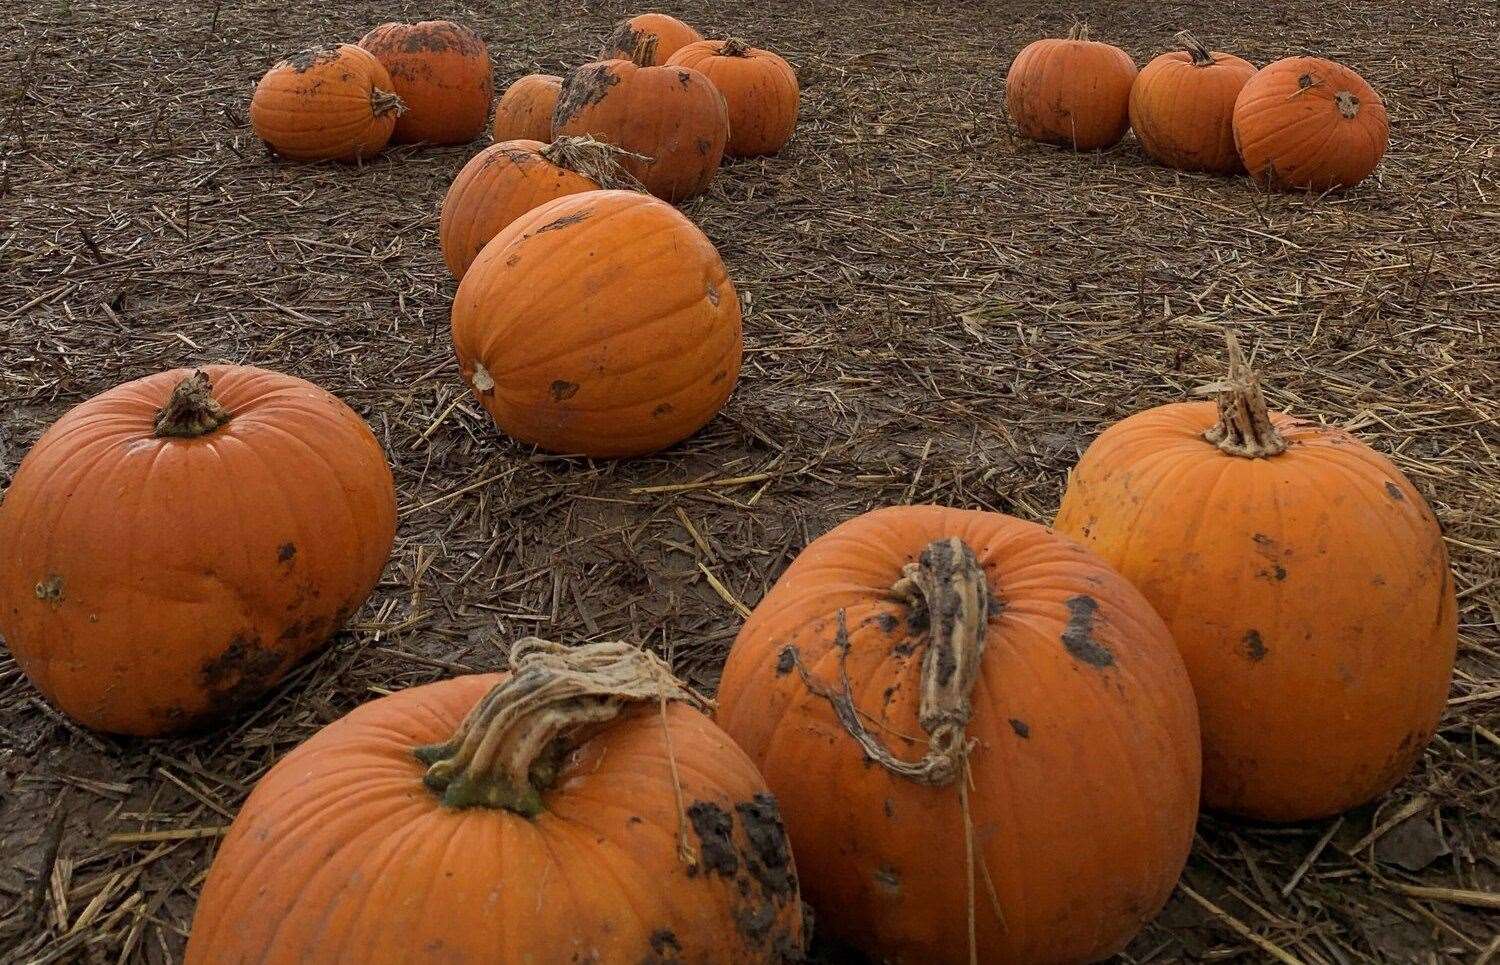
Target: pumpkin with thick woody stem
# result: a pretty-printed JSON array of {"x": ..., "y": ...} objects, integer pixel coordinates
[
  {"x": 1305, "y": 581},
  {"x": 983, "y": 739},
  {"x": 441, "y": 72},
  {"x": 175, "y": 545},
  {"x": 759, "y": 88},
  {"x": 668, "y": 34},
  {"x": 578, "y": 809},
  {"x": 1182, "y": 107},
  {"x": 524, "y": 111},
  {"x": 325, "y": 104},
  {"x": 1074, "y": 92}
]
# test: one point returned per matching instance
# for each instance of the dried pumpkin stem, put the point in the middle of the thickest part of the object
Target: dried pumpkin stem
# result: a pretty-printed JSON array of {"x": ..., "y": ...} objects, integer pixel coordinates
[
  {"x": 643, "y": 54},
  {"x": 734, "y": 47},
  {"x": 510, "y": 747},
  {"x": 383, "y": 102},
  {"x": 1079, "y": 31},
  {"x": 596, "y": 160},
  {"x": 191, "y": 411},
  {"x": 1244, "y": 427},
  {"x": 1202, "y": 56}
]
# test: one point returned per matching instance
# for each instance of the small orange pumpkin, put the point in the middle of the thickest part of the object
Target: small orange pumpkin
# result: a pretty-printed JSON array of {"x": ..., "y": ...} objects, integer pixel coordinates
[
  {"x": 441, "y": 71},
  {"x": 601, "y": 323},
  {"x": 1074, "y": 92},
  {"x": 922, "y": 681},
  {"x": 1309, "y": 123},
  {"x": 578, "y": 809},
  {"x": 175, "y": 545},
  {"x": 524, "y": 111},
  {"x": 669, "y": 33},
  {"x": 325, "y": 104},
  {"x": 759, "y": 88},
  {"x": 1182, "y": 107},
  {"x": 1305, "y": 581}
]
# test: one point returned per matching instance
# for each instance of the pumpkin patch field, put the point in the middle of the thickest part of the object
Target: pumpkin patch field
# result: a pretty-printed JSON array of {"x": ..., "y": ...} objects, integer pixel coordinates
[{"x": 848, "y": 481}]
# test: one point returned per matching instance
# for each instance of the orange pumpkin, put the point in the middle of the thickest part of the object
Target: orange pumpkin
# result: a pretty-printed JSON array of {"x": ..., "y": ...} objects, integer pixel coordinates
[
  {"x": 1305, "y": 581},
  {"x": 566, "y": 812},
  {"x": 1182, "y": 107},
  {"x": 325, "y": 104},
  {"x": 920, "y": 664},
  {"x": 1073, "y": 92},
  {"x": 176, "y": 544},
  {"x": 1309, "y": 123},
  {"x": 759, "y": 88},
  {"x": 524, "y": 111},
  {"x": 669, "y": 33},
  {"x": 600, "y": 323},
  {"x": 673, "y": 117},
  {"x": 442, "y": 74}
]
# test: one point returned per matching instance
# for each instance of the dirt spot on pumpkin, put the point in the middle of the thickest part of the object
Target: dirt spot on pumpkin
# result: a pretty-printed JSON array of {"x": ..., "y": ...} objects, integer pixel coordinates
[
  {"x": 1252, "y": 647},
  {"x": 715, "y": 829},
  {"x": 713, "y": 294},
  {"x": 50, "y": 590},
  {"x": 720, "y": 377},
  {"x": 1022, "y": 729},
  {"x": 768, "y": 857},
  {"x": 562, "y": 390},
  {"x": 622, "y": 41},
  {"x": 1394, "y": 491},
  {"x": 704, "y": 144},
  {"x": 664, "y": 946},
  {"x": 1078, "y": 635},
  {"x": 662, "y": 409},
  {"x": 888, "y": 881},
  {"x": 305, "y": 60},
  {"x": 240, "y": 674},
  {"x": 563, "y": 222},
  {"x": 786, "y": 661},
  {"x": 583, "y": 87},
  {"x": 285, "y": 552},
  {"x": 887, "y": 622},
  {"x": 439, "y": 38}
]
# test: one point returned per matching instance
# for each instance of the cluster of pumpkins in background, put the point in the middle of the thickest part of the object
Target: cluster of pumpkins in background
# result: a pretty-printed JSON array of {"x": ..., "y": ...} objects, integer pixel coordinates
[{"x": 1300, "y": 123}]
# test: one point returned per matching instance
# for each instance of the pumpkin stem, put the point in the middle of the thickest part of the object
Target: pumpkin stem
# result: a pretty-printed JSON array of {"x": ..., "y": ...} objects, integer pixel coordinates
[
  {"x": 191, "y": 411},
  {"x": 595, "y": 160},
  {"x": 1244, "y": 427},
  {"x": 1079, "y": 31},
  {"x": 1202, "y": 56},
  {"x": 383, "y": 102},
  {"x": 511, "y": 746},
  {"x": 734, "y": 47},
  {"x": 643, "y": 54}
]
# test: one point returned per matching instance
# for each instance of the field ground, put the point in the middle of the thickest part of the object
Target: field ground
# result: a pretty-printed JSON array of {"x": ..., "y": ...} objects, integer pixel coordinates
[{"x": 934, "y": 312}]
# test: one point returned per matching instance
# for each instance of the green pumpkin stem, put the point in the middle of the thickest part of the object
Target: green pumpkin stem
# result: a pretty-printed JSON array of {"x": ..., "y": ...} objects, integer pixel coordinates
[
  {"x": 1202, "y": 56},
  {"x": 509, "y": 749},
  {"x": 191, "y": 411},
  {"x": 1244, "y": 427}
]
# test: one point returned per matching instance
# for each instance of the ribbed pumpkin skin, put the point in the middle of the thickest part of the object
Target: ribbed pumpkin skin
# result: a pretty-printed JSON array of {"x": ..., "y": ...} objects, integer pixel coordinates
[
  {"x": 150, "y": 585},
  {"x": 673, "y": 115},
  {"x": 1292, "y": 128},
  {"x": 1183, "y": 112},
  {"x": 671, "y": 36},
  {"x": 321, "y": 105},
  {"x": 760, "y": 92},
  {"x": 1075, "y": 93},
  {"x": 606, "y": 322},
  {"x": 497, "y": 186},
  {"x": 524, "y": 111},
  {"x": 341, "y": 855},
  {"x": 442, "y": 73},
  {"x": 1085, "y": 774},
  {"x": 1309, "y": 593}
]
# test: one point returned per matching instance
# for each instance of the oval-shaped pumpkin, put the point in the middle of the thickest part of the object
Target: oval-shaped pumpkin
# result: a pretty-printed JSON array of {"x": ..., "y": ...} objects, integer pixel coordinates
[
  {"x": 325, "y": 104},
  {"x": 441, "y": 71},
  {"x": 524, "y": 111},
  {"x": 1304, "y": 580},
  {"x": 920, "y": 664},
  {"x": 669, "y": 34},
  {"x": 176, "y": 544},
  {"x": 759, "y": 88},
  {"x": 1309, "y": 123},
  {"x": 1182, "y": 107},
  {"x": 1074, "y": 92},
  {"x": 673, "y": 117},
  {"x": 601, "y": 323},
  {"x": 598, "y": 823}
]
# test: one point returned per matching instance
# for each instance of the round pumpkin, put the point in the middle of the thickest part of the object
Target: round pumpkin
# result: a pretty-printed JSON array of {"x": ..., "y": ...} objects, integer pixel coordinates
[
  {"x": 1309, "y": 123},
  {"x": 601, "y": 324},
  {"x": 441, "y": 71},
  {"x": 176, "y": 544},
  {"x": 1305, "y": 581},
  {"x": 579, "y": 809},
  {"x": 1074, "y": 92},
  {"x": 524, "y": 111},
  {"x": 922, "y": 681},
  {"x": 673, "y": 117},
  {"x": 669, "y": 34},
  {"x": 1182, "y": 107},
  {"x": 759, "y": 88},
  {"x": 325, "y": 104}
]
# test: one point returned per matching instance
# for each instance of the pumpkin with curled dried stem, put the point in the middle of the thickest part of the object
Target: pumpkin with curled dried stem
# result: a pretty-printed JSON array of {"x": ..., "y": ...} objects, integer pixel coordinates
[
  {"x": 175, "y": 545},
  {"x": 923, "y": 680},
  {"x": 524, "y": 111},
  {"x": 325, "y": 104},
  {"x": 580, "y": 808},
  {"x": 1182, "y": 107},
  {"x": 1304, "y": 579},
  {"x": 1074, "y": 92},
  {"x": 667, "y": 34},
  {"x": 759, "y": 88},
  {"x": 441, "y": 72}
]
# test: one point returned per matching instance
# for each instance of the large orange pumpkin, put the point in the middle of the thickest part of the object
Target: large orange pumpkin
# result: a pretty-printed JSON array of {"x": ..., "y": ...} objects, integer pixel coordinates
[
  {"x": 442, "y": 73},
  {"x": 1074, "y": 92},
  {"x": 669, "y": 34},
  {"x": 673, "y": 116},
  {"x": 174, "y": 545},
  {"x": 759, "y": 88},
  {"x": 600, "y": 323},
  {"x": 566, "y": 812},
  {"x": 325, "y": 104},
  {"x": 1305, "y": 581},
  {"x": 1182, "y": 107},
  {"x": 524, "y": 111},
  {"x": 920, "y": 664}
]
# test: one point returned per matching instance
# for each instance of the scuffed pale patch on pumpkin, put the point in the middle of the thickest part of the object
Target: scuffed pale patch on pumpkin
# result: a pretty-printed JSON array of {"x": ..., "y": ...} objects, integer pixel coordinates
[
  {"x": 1078, "y": 635},
  {"x": 563, "y": 222},
  {"x": 50, "y": 590}
]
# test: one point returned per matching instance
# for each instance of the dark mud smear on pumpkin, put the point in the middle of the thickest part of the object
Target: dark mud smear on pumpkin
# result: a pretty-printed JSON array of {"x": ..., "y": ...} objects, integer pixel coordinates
[
  {"x": 622, "y": 42},
  {"x": 439, "y": 38},
  {"x": 562, "y": 390},
  {"x": 1252, "y": 647},
  {"x": 306, "y": 60},
  {"x": 1078, "y": 635},
  {"x": 715, "y": 830},
  {"x": 769, "y": 858},
  {"x": 761, "y": 870},
  {"x": 563, "y": 222},
  {"x": 583, "y": 87},
  {"x": 240, "y": 674}
]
